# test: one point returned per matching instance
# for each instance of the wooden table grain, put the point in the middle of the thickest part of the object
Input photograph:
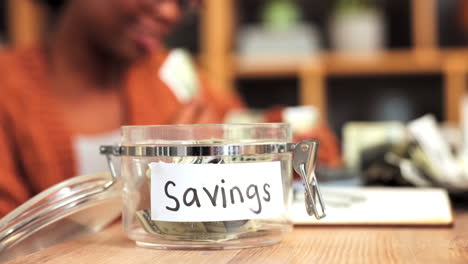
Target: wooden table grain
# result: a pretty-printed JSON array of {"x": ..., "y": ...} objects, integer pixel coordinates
[{"x": 304, "y": 245}]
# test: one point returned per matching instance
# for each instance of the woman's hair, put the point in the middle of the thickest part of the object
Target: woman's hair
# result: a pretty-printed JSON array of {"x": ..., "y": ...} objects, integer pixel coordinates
[{"x": 54, "y": 5}]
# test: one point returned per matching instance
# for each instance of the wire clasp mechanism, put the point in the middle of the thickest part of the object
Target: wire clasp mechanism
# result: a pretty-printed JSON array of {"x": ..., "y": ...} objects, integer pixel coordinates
[{"x": 304, "y": 161}]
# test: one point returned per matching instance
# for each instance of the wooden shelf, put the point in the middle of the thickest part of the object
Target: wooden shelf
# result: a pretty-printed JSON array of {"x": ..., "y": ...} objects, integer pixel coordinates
[
  {"x": 312, "y": 71},
  {"x": 266, "y": 66},
  {"x": 392, "y": 62},
  {"x": 332, "y": 64}
]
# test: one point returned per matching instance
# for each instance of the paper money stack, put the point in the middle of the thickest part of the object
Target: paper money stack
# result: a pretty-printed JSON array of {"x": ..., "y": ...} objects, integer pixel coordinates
[{"x": 203, "y": 231}]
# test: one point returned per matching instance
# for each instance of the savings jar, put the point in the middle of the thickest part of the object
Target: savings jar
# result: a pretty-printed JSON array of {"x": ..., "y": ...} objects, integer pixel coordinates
[
  {"x": 179, "y": 187},
  {"x": 212, "y": 186}
]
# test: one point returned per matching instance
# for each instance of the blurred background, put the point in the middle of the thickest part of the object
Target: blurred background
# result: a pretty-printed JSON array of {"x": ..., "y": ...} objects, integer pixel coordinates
[
  {"x": 352, "y": 60},
  {"x": 407, "y": 56}
]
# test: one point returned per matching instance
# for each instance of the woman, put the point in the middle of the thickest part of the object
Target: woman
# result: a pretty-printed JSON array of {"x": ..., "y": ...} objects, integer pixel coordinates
[{"x": 99, "y": 69}]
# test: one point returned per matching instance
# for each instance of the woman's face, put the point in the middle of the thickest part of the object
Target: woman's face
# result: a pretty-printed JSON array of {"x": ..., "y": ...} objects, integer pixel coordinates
[{"x": 127, "y": 29}]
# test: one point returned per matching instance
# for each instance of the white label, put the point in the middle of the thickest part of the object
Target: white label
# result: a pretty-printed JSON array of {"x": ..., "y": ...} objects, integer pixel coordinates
[{"x": 216, "y": 192}]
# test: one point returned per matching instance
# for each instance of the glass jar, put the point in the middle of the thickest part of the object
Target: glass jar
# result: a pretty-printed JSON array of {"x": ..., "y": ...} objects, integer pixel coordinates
[
  {"x": 211, "y": 186},
  {"x": 183, "y": 187}
]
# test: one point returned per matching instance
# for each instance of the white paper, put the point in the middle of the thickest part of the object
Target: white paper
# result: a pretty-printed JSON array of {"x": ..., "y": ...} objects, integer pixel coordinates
[
  {"x": 429, "y": 137},
  {"x": 180, "y": 75},
  {"x": 173, "y": 188},
  {"x": 378, "y": 206}
]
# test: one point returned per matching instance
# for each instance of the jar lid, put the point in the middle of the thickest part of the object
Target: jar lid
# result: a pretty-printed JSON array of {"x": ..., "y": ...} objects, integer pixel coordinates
[
  {"x": 81, "y": 205},
  {"x": 197, "y": 150}
]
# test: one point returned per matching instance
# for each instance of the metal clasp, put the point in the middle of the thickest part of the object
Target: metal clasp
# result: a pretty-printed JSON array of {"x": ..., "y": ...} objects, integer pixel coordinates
[
  {"x": 110, "y": 151},
  {"x": 304, "y": 160}
]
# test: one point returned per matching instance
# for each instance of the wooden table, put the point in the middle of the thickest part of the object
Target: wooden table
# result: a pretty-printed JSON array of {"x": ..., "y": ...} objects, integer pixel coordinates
[{"x": 303, "y": 245}]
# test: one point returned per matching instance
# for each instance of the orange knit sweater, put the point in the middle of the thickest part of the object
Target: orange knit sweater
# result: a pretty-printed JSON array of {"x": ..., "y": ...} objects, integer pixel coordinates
[{"x": 35, "y": 145}]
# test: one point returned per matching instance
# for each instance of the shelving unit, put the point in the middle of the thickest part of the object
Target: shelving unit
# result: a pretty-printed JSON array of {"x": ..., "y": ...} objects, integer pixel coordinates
[
  {"x": 423, "y": 58},
  {"x": 218, "y": 58},
  {"x": 390, "y": 62},
  {"x": 26, "y": 21}
]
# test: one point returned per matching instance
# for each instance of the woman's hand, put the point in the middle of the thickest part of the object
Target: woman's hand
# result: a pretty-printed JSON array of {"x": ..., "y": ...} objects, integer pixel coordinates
[
  {"x": 198, "y": 111},
  {"x": 329, "y": 152}
]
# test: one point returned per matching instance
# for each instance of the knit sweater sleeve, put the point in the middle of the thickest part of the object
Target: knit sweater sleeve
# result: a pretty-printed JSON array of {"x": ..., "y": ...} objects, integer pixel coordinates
[
  {"x": 13, "y": 186},
  {"x": 13, "y": 189}
]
